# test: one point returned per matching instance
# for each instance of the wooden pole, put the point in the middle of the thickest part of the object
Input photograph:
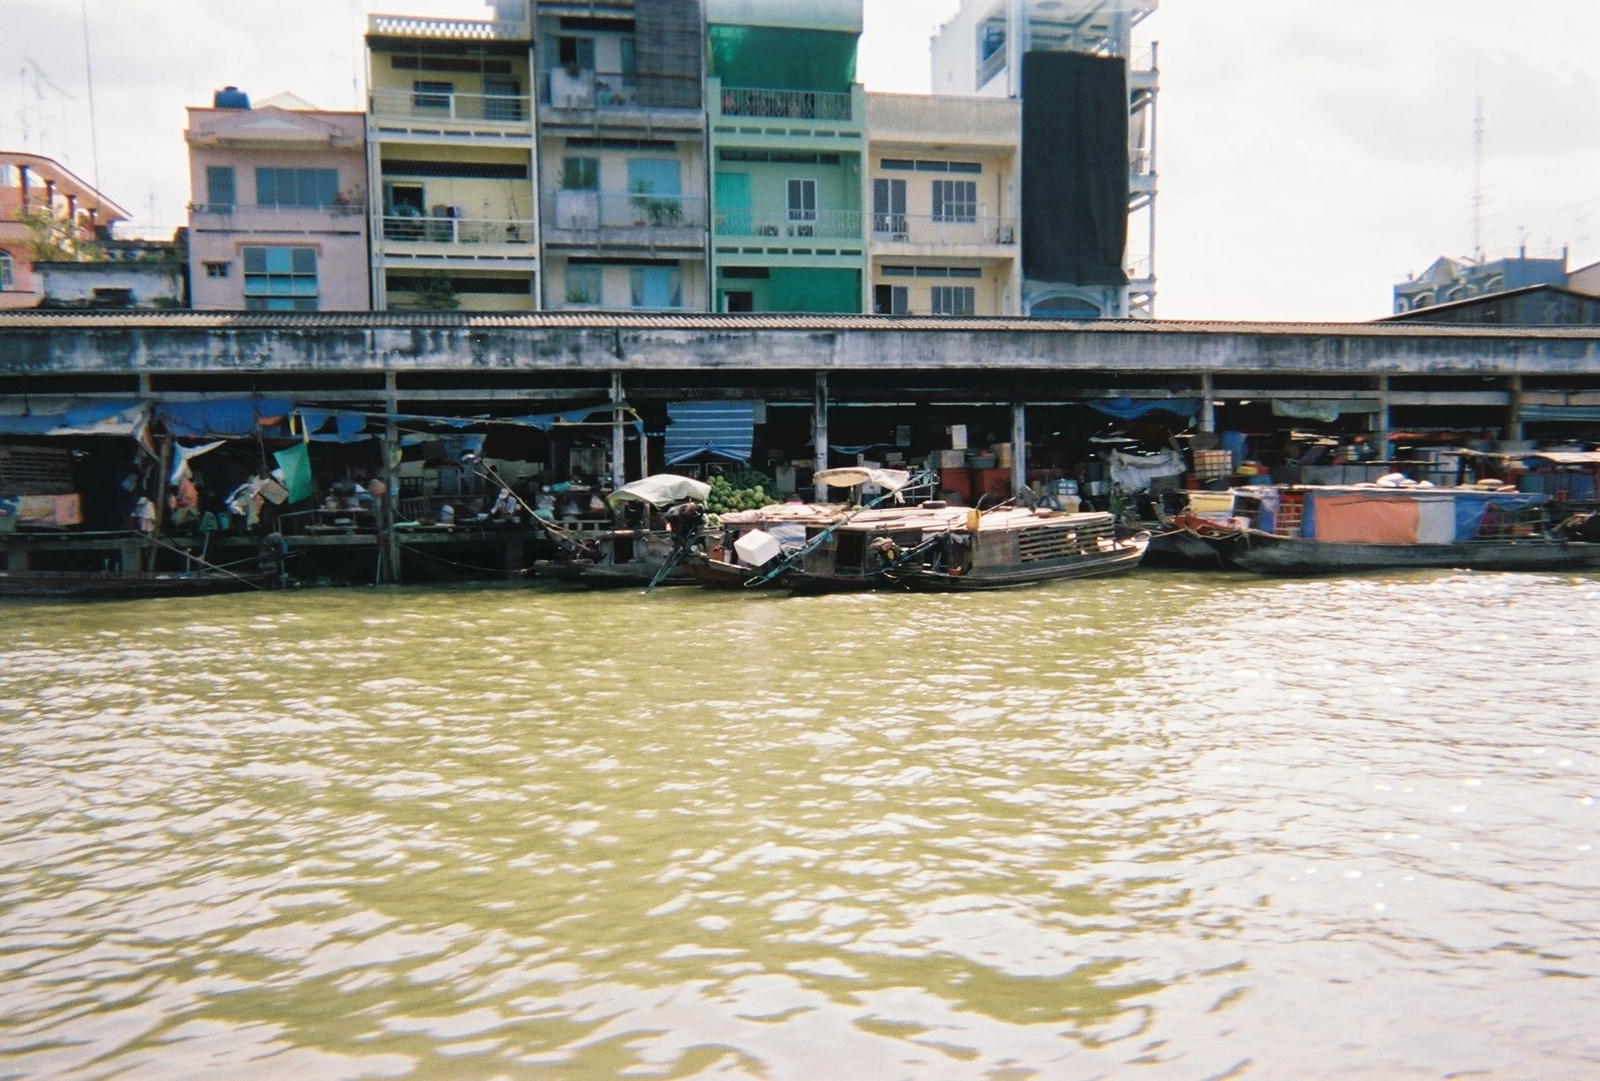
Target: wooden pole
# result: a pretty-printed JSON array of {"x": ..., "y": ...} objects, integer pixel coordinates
[
  {"x": 1514, "y": 429},
  {"x": 819, "y": 433},
  {"x": 1019, "y": 447},
  {"x": 1381, "y": 421},
  {"x": 390, "y": 538},
  {"x": 619, "y": 444}
]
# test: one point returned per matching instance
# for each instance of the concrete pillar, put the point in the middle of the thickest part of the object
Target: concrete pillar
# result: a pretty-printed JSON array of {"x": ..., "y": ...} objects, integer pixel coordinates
[
  {"x": 619, "y": 445},
  {"x": 1380, "y": 421},
  {"x": 389, "y": 537},
  {"x": 1208, "y": 412},
  {"x": 1019, "y": 447},
  {"x": 1514, "y": 429},
  {"x": 819, "y": 433}
]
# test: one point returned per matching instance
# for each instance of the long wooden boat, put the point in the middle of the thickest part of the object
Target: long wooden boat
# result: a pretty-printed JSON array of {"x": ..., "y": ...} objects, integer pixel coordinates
[
  {"x": 789, "y": 525},
  {"x": 950, "y": 549},
  {"x": 110, "y": 585},
  {"x": 1308, "y": 530}
]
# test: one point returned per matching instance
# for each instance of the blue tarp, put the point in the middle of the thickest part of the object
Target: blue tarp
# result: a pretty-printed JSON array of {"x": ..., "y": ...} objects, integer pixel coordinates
[
  {"x": 722, "y": 428},
  {"x": 225, "y": 418},
  {"x": 1472, "y": 506},
  {"x": 74, "y": 417},
  {"x": 347, "y": 427},
  {"x": 1131, "y": 408}
]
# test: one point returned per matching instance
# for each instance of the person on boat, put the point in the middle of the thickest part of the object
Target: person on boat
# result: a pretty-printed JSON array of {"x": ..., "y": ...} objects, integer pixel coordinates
[
  {"x": 505, "y": 507},
  {"x": 687, "y": 522}
]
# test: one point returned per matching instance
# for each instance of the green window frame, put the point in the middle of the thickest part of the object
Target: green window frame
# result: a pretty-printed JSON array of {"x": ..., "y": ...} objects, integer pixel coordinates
[
  {"x": 220, "y": 187},
  {"x": 296, "y": 187},
  {"x": 280, "y": 279}
]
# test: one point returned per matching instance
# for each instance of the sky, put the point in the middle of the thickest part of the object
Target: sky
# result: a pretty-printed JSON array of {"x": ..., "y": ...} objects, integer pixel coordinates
[{"x": 1311, "y": 153}]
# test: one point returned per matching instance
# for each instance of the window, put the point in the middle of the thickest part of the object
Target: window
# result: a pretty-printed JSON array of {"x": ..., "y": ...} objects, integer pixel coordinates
[
  {"x": 575, "y": 54},
  {"x": 954, "y": 299},
  {"x": 889, "y": 207},
  {"x": 583, "y": 284},
  {"x": 580, "y": 174},
  {"x": 5, "y": 270},
  {"x": 296, "y": 187},
  {"x": 434, "y": 95},
  {"x": 955, "y": 200},
  {"x": 890, "y": 300},
  {"x": 802, "y": 200},
  {"x": 656, "y": 287},
  {"x": 502, "y": 98},
  {"x": 280, "y": 279},
  {"x": 219, "y": 187},
  {"x": 217, "y": 269}
]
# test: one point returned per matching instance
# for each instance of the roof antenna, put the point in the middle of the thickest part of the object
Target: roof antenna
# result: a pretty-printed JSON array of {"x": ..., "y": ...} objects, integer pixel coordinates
[
  {"x": 1477, "y": 182},
  {"x": 88, "y": 75}
]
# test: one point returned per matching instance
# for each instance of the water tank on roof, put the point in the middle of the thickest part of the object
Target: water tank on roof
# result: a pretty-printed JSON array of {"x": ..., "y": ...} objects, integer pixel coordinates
[{"x": 230, "y": 97}]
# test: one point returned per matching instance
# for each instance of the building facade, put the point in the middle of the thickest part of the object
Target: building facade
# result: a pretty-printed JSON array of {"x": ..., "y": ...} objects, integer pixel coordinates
[
  {"x": 1450, "y": 279},
  {"x": 46, "y": 213},
  {"x": 1087, "y": 224},
  {"x": 277, "y": 218}
]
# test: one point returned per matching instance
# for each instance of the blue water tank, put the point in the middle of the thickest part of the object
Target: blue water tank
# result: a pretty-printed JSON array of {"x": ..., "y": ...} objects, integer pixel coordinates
[{"x": 230, "y": 97}]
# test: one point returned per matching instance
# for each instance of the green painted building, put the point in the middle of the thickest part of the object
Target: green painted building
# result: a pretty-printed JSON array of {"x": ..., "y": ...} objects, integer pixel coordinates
[{"x": 787, "y": 142}]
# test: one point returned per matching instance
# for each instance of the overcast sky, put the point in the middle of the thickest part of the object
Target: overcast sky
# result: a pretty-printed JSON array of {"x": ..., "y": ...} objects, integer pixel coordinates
[{"x": 1311, "y": 152}]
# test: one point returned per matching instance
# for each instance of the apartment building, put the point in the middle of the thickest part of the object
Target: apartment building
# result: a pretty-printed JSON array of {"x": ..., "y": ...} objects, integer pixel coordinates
[
  {"x": 787, "y": 147},
  {"x": 277, "y": 217},
  {"x": 944, "y": 181},
  {"x": 451, "y": 161},
  {"x": 622, "y": 154},
  {"x": 46, "y": 213},
  {"x": 1088, "y": 104}
]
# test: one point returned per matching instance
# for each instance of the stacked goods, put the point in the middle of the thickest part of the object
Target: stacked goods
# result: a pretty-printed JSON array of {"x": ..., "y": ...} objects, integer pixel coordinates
[
  {"x": 748, "y": 490},
  {"x": 1212, "y": 464}
]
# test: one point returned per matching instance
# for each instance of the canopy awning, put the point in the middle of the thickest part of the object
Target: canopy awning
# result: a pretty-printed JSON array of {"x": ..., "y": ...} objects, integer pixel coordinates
[
  {"x": 660, "y": 490},
  {"x": 890, "y": 480},
  {"x": 722, "y": 428},
  {"x": 70, "y": 416}
]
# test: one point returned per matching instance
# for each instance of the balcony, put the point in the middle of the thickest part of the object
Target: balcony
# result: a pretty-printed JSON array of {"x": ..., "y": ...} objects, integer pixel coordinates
[
  {"x": 596, "y": 219},
  {"x": 344, "y": 216},
  {"x": 406, "y": 28},
  {"x": 448, "y": 108},
  {"x": 576, "y": 96},
  {"x": 788, "y": 104},
  {"x": 450, "y": 231},
  {"x": 781, "y": 222},
  {"x": 913, "y": 230}
]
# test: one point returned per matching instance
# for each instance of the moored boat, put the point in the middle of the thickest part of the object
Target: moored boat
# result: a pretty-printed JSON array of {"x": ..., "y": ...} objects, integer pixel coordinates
[{"x": 1302, "y": 530}]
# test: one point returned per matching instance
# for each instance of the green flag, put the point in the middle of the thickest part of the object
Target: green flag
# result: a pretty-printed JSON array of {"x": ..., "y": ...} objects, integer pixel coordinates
[{"x": 296, "y": 465}]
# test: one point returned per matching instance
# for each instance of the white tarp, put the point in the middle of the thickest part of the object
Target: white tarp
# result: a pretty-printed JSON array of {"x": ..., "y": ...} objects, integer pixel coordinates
[
  {"x": 890, "y": 480},
  {"x": 1134, "y": 472},
  {"x": 661, "y": 490}
]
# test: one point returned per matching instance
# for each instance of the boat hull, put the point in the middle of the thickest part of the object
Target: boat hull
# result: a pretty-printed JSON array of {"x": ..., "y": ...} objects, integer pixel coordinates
[
  {"x": 1264, "y": 553},
  {"x": 1119, "y": 560},
  {"x": 84, "y": 586}
]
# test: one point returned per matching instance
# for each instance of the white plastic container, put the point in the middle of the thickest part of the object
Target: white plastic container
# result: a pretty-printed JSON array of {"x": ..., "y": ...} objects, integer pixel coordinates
[{"x": 757, "y": 548}]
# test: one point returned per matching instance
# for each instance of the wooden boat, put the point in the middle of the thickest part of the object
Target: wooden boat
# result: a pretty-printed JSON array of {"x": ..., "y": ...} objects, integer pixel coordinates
[
  {"x": 1304, "y": 530},
  {"x": 108, "y": 585},
  {"x": 722, "y": 565},
  {"x": 618, "y": 558},
  {"x": 951, "y": 549}
]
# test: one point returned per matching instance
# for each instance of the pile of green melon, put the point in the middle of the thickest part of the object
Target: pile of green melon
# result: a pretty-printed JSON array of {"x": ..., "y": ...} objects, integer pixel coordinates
[{"x": 747, "y": 490}]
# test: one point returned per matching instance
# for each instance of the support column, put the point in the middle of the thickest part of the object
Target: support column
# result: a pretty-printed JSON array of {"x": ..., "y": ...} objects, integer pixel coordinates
[
  {"x": 390, "y": 538},
  {"x": 819, "y": 433},
  {"x": 619, "y": 445},
  {"x": 1019, "y": 447},
  {"x": 1514, "y": 430},
  {"x": 1208, "y": 412},
  {"x": 1381, "y": 420}
]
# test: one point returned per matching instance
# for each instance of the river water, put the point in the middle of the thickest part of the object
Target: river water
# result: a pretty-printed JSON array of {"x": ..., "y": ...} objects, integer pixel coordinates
[{"x": 1166, "y": 826}]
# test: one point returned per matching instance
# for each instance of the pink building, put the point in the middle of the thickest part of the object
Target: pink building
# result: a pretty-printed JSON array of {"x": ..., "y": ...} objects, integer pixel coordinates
[
  {"x": 277, "y": 220},
  {"x": 79, "y": 215}
]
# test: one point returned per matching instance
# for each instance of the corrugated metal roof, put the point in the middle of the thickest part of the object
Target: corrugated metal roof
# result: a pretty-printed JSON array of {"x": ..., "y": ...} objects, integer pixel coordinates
[{"x": 289, "y": 322}]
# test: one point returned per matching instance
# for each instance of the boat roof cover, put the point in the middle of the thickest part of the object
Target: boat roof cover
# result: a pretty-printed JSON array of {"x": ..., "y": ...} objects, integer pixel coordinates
[
  {"x": 661, "y": 489},
  {"x": 890, "y": 480}
]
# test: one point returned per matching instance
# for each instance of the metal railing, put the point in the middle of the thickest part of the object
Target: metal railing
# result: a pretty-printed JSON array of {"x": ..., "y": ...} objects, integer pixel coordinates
[
  {"x": 574, "y": 210},
  {"x": 439, "y": 229},
  {"x": 344, "y": 208},
  {"x": 991, "y": 65},
  {"x": 789, "y": 224},
  {"x": 568, "y": 88},
  {"x": 442, "y": 104},
  {"x": 791, "y": 104},
  {"x": 981, "y": 230}
]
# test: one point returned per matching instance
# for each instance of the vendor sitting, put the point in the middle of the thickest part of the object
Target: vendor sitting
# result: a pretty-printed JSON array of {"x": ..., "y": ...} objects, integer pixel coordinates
[{"x": 506, "y": 506}]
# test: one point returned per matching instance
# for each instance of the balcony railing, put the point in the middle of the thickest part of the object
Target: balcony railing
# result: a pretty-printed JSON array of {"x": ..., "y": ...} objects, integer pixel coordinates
[
  {"x": 448, "y": 105},
  {"x": 991, "y": 65},
  {"x": 438, "y": 229},
  {"x": 341, "y": 209},
  {"x": 790, "y": 224},
  {"x": 572, "y": 210},
  {"x": 569, "y": 88},
  {"x": 790, "y": 104},
  {"x": 979, "y": 230}
]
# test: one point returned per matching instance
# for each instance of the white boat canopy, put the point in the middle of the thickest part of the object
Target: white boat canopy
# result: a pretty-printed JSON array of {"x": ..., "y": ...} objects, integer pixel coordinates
[
  {"x": 890, "y": 480},
  {"x": 661, "y": 490}
]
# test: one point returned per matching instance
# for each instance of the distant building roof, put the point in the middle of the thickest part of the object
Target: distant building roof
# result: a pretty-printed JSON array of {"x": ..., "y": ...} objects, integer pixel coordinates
[{"x": 1510, "y": 307}]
